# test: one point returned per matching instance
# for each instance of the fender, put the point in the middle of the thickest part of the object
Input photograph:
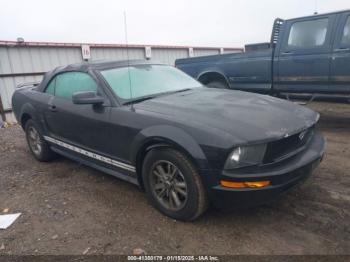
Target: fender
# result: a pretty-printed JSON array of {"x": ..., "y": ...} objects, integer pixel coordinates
[
  {"x": 213, "y": 70},
  {"x": 29, "y": 109},
  {"x": 169, "y": 135}
]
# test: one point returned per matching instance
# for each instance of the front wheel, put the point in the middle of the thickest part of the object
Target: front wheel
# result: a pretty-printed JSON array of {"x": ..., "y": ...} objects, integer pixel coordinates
[{"x": 173, "y": 184}]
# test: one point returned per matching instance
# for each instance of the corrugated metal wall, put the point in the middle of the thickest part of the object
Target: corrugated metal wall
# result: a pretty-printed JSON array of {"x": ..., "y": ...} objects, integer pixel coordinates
[{"x": 27, "y": 63}]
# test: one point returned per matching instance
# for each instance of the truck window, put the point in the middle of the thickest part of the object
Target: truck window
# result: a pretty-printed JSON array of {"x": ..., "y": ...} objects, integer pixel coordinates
[
  {"x": 308, "y": 34},
  {"x": 346, "y": 33}
]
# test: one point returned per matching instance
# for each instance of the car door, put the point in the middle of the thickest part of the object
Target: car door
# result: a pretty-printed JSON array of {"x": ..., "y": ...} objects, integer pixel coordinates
[
  {"x": 340, "y": 62},
  {"x": 85, "y": 126},
  {"x": 304, "y": 55}
]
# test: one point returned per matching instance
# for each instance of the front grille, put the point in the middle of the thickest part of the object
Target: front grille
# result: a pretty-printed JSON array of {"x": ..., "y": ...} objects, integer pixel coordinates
[{"x": 286, "y": 147}]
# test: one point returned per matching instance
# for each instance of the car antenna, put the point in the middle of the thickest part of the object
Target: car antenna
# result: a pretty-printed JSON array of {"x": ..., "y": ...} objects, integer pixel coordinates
[
  {"x": 315, "y": 13},
  {"x": 127, "y": 57}
]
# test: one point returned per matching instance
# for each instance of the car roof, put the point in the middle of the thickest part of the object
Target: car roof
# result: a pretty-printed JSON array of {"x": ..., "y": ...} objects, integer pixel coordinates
[
  {"x": 103, "y": 64},
  {"x": 319, "y": 15},
  {"x": 93, "y": 65}
]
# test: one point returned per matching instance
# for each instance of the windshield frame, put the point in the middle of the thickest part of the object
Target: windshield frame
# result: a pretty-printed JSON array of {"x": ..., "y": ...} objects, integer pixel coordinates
[{"x": 123, "y": 101}]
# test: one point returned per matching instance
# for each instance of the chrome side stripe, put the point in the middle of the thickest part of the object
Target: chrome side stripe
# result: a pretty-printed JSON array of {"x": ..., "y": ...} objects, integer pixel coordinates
[{"x": 91, "y": 154}]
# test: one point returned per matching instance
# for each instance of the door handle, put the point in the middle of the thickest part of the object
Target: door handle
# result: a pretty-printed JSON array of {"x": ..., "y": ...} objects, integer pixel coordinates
[
  {"x": 287, "y": 53},
  {"x": 52, "y": 108}
]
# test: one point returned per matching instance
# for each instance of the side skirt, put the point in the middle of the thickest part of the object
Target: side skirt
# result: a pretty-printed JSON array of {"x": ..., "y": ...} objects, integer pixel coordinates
[{"x": 108, "y": 171}]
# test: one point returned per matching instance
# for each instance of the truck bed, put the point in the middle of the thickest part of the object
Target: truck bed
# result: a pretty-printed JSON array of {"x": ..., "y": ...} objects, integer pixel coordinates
[{"x": 249, "y": 71}]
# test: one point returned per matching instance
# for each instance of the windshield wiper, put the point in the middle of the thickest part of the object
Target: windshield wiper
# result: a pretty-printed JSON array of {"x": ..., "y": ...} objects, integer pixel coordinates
[
  {"x": 138, "y": 100},
  {"x": 181, "y": 90},
  {"x": 141, "y": 99}
]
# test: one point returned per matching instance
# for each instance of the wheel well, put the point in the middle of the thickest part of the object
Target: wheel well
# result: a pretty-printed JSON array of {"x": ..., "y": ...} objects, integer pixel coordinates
[
  {"x": 25, "y": 117},
  {"x": 153, "y": 145},
  {"x": 212, "y": 76}
]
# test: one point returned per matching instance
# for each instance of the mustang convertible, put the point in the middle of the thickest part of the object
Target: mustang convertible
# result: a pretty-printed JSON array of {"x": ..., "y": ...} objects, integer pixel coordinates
[{"x": 185, "y": 144}]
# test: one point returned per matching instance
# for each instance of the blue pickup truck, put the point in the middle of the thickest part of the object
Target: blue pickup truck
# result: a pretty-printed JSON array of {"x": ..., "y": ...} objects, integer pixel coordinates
[{"x": 305, "y": 55}]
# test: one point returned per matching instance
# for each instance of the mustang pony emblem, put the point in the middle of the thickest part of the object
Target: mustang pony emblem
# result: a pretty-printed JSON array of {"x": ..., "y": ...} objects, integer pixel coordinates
[{"x": 302, "y": 135}]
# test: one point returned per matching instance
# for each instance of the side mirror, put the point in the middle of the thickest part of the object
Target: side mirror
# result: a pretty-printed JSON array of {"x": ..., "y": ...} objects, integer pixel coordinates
[{"x": 87, "y": 98}]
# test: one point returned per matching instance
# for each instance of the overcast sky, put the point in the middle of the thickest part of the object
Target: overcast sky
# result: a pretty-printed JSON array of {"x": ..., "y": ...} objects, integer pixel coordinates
[{"x": 222, "y": 23}]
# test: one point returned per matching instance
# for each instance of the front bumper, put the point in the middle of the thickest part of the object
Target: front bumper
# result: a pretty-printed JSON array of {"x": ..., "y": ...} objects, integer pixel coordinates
[{"x": 283, "y": 176}]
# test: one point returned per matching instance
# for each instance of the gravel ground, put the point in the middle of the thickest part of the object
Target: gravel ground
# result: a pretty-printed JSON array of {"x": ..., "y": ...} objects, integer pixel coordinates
[{"x": 72, "y": 209}]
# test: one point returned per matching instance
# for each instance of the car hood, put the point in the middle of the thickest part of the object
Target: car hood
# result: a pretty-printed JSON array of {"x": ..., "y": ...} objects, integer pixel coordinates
[{"x": 246, "y": 116}]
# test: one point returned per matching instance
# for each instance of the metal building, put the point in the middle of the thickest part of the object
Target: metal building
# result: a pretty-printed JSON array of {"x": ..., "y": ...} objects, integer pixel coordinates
[{"x": 22, "y": 62}]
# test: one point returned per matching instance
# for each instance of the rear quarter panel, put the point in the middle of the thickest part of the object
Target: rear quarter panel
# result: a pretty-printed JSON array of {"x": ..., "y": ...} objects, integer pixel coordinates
[{"x": 31, "y": 102}]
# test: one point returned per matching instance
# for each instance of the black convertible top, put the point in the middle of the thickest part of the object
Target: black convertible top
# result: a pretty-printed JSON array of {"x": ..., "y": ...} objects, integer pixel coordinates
[
  {"x": 101, "y": 64},
  {"x": 93, "y": 65}
]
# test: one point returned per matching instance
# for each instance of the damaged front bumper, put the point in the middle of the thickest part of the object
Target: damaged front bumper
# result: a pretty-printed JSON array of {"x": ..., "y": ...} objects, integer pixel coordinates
[{"x": 282, "y": 177}]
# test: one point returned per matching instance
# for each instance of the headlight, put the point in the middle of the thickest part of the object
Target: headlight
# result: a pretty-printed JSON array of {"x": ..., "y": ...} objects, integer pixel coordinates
[{"x": 246, "y": 156}]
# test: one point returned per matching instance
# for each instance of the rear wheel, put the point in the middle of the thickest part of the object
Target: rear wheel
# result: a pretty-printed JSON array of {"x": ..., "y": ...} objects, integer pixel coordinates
[
  {"x": 173, "y": 184},
  {"x": 217, "y": 84},
  {"x": 37, "y": 145}
]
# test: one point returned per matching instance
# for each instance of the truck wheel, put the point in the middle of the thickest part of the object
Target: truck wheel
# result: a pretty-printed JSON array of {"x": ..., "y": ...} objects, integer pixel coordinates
[
  {"x": 173, "y": 184},
  {"x": 217, "y": 84},
  {"x": 37, "y": 145}
]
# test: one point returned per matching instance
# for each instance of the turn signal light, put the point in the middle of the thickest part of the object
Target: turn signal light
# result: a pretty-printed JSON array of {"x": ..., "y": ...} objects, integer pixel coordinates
[{"x": 244, "y": 184}]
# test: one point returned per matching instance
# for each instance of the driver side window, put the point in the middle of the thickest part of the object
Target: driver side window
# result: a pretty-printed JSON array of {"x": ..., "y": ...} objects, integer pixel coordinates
[{"x": 66, "y": 84}]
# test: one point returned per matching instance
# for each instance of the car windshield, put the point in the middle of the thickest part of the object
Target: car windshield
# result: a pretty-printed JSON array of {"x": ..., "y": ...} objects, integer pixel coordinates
[{"x": 147, "y": 80}]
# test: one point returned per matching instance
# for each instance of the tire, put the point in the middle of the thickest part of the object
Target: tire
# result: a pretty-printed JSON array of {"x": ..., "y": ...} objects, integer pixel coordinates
[
  {"x": 41, "y": 151},
  {"x": 196, "y": 201},
  {"x": 217, "y": 84}
]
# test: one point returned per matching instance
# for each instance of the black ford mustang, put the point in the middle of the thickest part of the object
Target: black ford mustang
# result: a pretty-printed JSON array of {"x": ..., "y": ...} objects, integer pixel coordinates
[{"x": 185, "y": 144}]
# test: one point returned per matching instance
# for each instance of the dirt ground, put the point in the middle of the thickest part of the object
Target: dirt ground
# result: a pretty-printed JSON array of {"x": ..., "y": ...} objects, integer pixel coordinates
[{"x": 71, "y": 209}]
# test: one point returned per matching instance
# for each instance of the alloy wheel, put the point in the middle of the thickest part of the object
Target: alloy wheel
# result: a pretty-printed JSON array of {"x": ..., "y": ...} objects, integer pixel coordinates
[
  {"x": 34, "y": 141},
  {"x": 169, "y": 185}
]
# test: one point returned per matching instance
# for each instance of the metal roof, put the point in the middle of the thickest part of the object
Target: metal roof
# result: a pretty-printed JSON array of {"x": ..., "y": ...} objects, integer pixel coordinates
[{"x": 97, "y": 45}]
